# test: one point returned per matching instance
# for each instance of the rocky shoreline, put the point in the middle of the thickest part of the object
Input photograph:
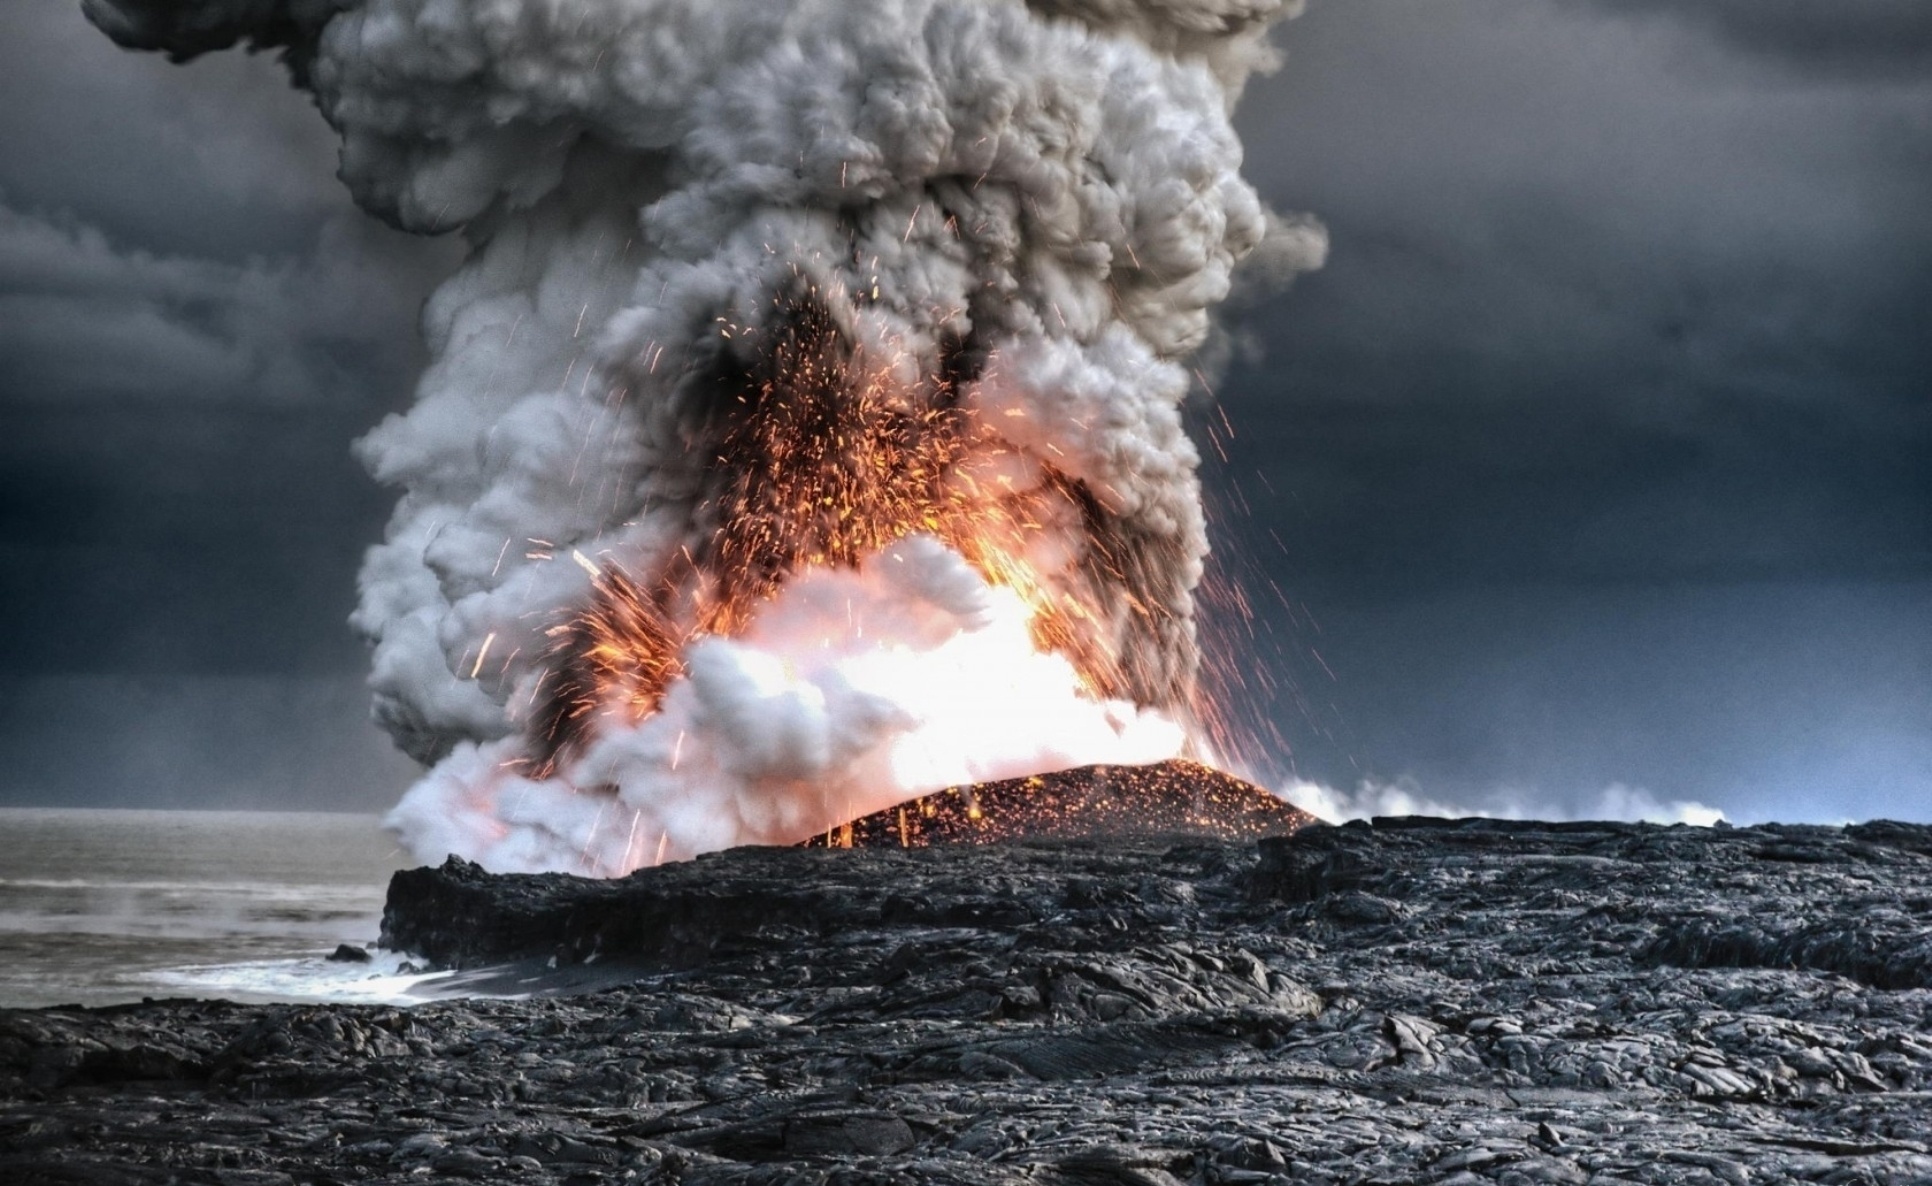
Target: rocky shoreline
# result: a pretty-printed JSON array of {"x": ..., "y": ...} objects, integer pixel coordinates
[{"x": 1412, "y": 1001}]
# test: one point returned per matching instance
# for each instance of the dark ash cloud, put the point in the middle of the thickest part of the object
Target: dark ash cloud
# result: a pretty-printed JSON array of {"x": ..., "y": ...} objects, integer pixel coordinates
[{"x": 190, "y": 30}]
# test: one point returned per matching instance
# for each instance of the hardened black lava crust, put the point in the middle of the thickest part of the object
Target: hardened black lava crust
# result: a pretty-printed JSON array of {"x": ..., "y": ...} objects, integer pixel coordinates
[{"x": 1465, "y": 1002}]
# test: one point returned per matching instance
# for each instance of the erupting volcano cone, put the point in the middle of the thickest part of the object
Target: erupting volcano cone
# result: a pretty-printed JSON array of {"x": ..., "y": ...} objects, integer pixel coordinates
[{"x": 1093, "y": 802}]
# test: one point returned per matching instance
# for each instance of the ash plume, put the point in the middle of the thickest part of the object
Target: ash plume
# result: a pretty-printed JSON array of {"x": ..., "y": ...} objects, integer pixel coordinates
[{"x": 804, "y": 430}]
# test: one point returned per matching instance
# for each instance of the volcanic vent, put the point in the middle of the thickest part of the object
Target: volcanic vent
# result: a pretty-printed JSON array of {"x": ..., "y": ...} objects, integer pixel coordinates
[
  {"x": 1179, "y": 799},
  {"x": 803, "y": 433}
]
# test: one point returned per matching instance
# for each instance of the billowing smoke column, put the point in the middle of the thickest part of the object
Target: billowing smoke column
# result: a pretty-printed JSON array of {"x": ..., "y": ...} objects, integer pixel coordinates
[{"x": 803, "y": 431}]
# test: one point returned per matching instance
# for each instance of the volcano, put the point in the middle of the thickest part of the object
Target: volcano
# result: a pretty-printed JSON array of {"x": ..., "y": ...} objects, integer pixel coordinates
[{"x": 1177, "y": 798}]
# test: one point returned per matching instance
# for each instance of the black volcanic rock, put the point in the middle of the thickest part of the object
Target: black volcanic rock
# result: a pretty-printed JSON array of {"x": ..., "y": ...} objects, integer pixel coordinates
[
  {"x": 462, "y": 917},
  {"x": 1461, "y": 1002}
]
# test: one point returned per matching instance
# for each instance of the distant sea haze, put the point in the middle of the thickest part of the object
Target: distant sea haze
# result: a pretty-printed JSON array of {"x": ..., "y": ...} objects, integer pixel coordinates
[{"x": 101, "y": 907}]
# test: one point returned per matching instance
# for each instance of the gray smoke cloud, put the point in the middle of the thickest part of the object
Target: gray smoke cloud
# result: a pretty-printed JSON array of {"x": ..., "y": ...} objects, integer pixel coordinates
[{"x": 1040, "y": 202}]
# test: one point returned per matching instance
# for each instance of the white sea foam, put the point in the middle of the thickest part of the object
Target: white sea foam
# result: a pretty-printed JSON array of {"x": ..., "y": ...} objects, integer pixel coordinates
[
  {"x": 99, "y": 907},
  {"x": 387, "y": 979}
]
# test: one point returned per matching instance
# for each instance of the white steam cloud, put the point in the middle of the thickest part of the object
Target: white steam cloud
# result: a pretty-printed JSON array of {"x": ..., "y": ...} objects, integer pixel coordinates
[
  {"x": 1042, "y": 198},
  {"x": 1615, "y": 802}
]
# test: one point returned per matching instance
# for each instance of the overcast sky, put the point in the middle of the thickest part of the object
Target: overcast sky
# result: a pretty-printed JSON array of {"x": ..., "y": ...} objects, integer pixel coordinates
[{"x": 1599, "y": 455}]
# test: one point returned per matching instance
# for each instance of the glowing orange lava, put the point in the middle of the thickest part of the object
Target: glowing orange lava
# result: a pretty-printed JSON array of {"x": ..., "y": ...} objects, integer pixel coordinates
[
  {"x": 821, "y": 457},
  {"x": 1173, "y": 799}
]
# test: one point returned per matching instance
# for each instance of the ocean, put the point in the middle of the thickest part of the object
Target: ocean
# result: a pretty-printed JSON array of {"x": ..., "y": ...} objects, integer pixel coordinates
[{"x": 108, "y": 907}]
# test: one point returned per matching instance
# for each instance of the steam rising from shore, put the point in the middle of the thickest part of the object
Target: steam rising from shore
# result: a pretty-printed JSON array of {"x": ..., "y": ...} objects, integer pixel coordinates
[
  {"x": 1617, "y": 801},
  {"x": 1012, "y": 218}
]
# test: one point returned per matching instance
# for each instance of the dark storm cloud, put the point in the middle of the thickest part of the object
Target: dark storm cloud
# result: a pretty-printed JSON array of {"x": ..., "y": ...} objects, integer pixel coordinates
[
  {"x": 199, "y": 28},
  {"x": 177, "y": 234},
  {"x": 219, "y": 160},
  {"x": 84, "y": 319},
  {"x": 177, "y": 482},
  {"x": 194, "y": 324},
  {"x": 1587, "y": 316},
  {"x": 172, "y": 740},
  {"x": 1857, "y": 39},
  {"x": 1598, "y": 450},
  {"x": 160, "y": 539}
]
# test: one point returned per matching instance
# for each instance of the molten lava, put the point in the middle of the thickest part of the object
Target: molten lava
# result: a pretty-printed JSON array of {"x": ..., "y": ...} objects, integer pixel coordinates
[{"x": 1176, "y": 798}]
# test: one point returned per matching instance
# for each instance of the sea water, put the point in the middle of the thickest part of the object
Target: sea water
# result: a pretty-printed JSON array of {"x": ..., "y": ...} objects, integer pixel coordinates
[{"x": 105, "y": 907}]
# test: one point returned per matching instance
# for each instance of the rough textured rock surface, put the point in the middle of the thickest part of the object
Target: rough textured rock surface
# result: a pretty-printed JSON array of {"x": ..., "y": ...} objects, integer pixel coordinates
[
  {"x": 1414, "y": 1001},
  {"x": 1176, "y": 798}
]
